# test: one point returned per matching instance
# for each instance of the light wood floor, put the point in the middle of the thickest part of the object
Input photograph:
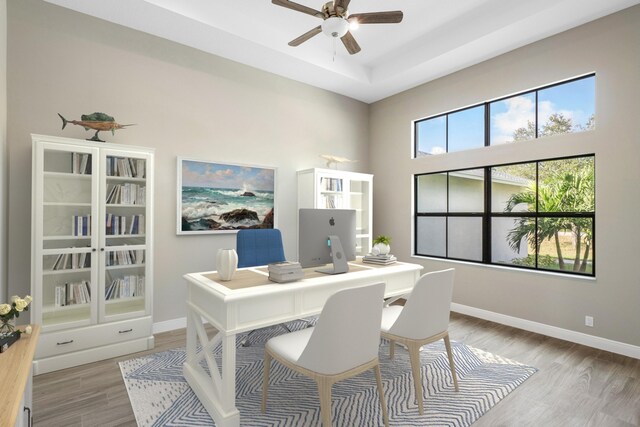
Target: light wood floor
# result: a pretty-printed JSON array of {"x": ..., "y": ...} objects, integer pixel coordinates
[{"x": 575, "y": 385}]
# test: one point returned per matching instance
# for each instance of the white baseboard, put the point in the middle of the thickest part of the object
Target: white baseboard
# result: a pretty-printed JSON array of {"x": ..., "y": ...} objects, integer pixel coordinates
[
  {"x": 170, "y": 325},
  {"x": 551, "y": 331}
]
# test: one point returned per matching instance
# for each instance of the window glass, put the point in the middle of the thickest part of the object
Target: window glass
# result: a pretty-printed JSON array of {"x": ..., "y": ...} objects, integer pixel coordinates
[
  {"x": 566, "y": 244},
  {"x": 566, "y": 185},
  {"x": 465, "y": 238},
  {"x": 567, "y": 107},
  {"x": 466, "y": 129},
  {"x": 432, "y": 193},
  {"x": 513, "y": 188},
  {"x": 431, "y": 136},
  {"x": 510, "y": 241},
  {"x": 431, "y": 234},
  {"x": 512, "y": 119},
  {"x": 466, "y": 191}
]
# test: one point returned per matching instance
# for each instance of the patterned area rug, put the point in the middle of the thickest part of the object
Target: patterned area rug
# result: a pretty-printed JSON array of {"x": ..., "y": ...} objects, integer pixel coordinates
[{"x": 160, "y": 395}]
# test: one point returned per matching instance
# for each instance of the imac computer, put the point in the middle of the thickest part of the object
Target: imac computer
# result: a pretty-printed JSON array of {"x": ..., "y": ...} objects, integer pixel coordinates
[{"x": 327, "y": 236}]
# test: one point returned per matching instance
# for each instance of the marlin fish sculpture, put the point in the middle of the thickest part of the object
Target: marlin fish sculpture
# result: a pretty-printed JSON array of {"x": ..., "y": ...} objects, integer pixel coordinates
[{"x": 97, "y": 122}]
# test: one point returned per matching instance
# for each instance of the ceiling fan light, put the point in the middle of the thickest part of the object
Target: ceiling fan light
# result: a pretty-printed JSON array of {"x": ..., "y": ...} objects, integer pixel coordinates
[
  {"x": 354, "y": 24},
  {"x": 335, "y": 26}
]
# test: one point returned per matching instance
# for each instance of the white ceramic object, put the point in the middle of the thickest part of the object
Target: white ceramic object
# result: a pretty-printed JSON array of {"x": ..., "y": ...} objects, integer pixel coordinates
[
  {"x": 380, "y": 249},
  {"x": 226, "y": 263}
]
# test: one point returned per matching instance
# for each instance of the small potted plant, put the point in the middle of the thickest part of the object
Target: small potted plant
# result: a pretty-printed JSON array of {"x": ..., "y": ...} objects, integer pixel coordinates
[{"x": 381, "y": 245}]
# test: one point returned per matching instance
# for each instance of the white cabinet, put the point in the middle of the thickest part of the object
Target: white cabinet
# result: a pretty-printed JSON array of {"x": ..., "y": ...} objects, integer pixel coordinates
[
  {"x": 328, "y": 188},
  {"x": 92, "y": 256}
]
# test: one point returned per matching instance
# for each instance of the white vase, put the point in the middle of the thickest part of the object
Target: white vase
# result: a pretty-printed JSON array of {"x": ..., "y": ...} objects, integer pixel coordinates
[
  {"x": 226, "y": 263},
  {"x": 380, "y": 249}
]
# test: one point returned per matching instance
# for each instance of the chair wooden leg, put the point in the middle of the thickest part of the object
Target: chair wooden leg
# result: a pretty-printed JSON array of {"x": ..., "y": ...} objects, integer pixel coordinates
[
  {"x": 265, "y": 379},
  {"x": 383, "y": 405},
  {"x": 392, "y": 349},
  {"x": 447, "y": 344},
  {"x": 324, "y": 390},
  {"x": 414, "y": 357}
]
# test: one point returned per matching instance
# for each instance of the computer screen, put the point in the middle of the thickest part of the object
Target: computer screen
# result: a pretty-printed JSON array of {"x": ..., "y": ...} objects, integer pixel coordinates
[{"x": 314, "y": 228}]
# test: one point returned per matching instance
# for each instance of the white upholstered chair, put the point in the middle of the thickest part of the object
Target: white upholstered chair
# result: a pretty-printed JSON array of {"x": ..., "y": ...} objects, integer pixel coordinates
[
  {"x": 423, "y": 319},
  {"x": 343, "y": 343}
]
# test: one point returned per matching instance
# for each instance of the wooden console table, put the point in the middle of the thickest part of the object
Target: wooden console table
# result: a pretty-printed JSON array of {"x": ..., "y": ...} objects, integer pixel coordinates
[{"x": 15, "y": 377}]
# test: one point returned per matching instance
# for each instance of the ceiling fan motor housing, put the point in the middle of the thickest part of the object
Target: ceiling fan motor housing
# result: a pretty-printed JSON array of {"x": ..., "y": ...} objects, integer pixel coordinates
[{"x": 335, "y": 26}]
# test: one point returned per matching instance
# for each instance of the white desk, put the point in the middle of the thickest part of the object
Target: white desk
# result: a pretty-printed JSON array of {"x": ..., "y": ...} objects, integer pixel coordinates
[{"x": 250, "y": 301}]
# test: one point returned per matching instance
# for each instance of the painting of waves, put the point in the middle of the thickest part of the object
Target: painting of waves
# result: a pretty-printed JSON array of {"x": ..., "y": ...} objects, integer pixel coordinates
[{"x": 218, "y": 197}]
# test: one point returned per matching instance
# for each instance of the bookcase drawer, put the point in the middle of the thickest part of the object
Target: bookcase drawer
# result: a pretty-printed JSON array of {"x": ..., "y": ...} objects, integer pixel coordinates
[{"x": 92, "y": 336}]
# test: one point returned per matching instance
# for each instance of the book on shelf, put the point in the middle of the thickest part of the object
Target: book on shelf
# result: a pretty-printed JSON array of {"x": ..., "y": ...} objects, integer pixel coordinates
[
  {"x": 125, "y": 287},
  {"x": 72, "y": 293},
  {"x": 126, "y": 167},
  {"x": 81, "y": 163},
  {"x": 379, "y": 259}
]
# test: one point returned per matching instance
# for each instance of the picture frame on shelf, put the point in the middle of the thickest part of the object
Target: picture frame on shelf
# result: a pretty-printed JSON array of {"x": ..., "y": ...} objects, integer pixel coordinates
[{"x": 220, "y": 197}]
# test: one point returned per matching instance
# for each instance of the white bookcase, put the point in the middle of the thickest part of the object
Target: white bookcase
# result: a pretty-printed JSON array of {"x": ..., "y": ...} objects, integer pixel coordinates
[
  {"x": 92, "y": 250},
  {"x": 329, "y": 188}
]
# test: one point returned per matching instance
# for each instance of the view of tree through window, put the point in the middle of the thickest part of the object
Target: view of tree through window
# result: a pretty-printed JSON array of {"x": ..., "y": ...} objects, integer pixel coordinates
[
  {"x": 559, "y": 108},
  {"x": 541, "y": 215}
]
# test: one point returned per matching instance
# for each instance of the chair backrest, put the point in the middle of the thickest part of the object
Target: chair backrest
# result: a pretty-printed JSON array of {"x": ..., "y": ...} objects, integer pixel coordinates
[
  {"x": 426, "y": 312},
  {"x": 347, "y": 333},
  {"x": 259, "y": 247}
]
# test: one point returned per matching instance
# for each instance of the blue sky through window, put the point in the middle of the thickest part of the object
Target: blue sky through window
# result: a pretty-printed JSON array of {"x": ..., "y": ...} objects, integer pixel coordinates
[
  {"x": 466, "y": 129},
  {"x": 432, "y": 136}
]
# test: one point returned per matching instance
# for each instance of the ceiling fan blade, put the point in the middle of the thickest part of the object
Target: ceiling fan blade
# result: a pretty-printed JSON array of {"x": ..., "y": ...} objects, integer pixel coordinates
[
  {"x": 350, "y": 43},
  {"x": 298, "y": 7},
  {"x": 344, "y": 4},
  {"x": 391, "y": 17},
  {"x": 306, "y": 36}
]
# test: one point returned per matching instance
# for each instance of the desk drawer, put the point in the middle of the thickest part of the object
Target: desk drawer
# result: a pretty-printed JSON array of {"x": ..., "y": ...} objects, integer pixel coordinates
[{"x": 61, "y": 342}]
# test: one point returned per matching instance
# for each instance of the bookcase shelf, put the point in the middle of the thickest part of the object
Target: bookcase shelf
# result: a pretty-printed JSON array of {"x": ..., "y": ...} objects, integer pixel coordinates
[
  {"x": 329, "y": 188},
  {"x": 72, "y": 180},
  {"x": 66, "y": 271}
]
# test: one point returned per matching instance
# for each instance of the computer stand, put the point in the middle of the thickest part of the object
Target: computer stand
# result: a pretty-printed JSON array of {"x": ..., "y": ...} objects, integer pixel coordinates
[{"x": 340, "y": 264}]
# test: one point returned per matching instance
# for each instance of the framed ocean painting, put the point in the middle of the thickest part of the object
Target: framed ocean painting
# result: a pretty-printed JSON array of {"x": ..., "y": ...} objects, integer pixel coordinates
[{"x": 224, "y": 197}]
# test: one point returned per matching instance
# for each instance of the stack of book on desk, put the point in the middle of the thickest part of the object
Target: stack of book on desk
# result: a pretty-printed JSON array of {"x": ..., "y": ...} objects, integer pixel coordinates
[
  {"x": 379, "y": 259},
  {"x": 286, "y": 271}
]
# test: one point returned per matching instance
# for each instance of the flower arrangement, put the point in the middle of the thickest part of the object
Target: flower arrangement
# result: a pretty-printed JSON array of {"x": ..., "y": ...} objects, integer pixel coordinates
[{"x": 9, "y": 311}]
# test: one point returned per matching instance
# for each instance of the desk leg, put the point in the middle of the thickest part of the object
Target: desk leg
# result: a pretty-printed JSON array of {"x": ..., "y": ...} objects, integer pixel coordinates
[{"x": 217, "y": 390}]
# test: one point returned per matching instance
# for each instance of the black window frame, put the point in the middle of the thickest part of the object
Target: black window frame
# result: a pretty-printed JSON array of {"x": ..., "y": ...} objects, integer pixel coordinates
[
  {"x": 487, "y": 216},
  {"x": 487, "y": 114}
]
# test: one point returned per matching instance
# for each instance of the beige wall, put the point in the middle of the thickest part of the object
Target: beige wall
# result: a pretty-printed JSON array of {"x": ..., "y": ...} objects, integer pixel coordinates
[
  {"x": 3, "y": 150},
  {"x": 610, "y": 47},
  {"x": 185, "y": 103}
]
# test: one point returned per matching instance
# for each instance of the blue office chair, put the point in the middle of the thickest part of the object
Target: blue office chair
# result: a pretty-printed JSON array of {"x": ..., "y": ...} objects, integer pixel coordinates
[{"x": 260, "y": 247}]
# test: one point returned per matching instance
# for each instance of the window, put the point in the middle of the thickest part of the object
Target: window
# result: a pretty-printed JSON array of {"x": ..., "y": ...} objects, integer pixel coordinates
[
  {"x": 559, "y": 108},
  {"x": 536, "y": 215},
  {"x": 455, "y": 131}
]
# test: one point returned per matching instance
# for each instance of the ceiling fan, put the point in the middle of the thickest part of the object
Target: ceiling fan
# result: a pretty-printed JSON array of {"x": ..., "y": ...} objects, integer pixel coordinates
[{"x": 337, "y": 21}]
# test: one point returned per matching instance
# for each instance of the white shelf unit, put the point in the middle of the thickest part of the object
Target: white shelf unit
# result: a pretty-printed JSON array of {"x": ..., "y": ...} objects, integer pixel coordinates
[
  {"x": 329, "y": 188},
  {"x": 92, "y": 290}
]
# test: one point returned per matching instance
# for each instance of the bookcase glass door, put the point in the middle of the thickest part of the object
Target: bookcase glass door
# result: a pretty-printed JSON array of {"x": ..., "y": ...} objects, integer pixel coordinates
[
  {"x": 125, "y": 198},
  {"x": 331, "y": 193},
  {"x": 124, "y": 290},
  {"x": 359, "y": 193},
  {"x": 66, "y": 200}
]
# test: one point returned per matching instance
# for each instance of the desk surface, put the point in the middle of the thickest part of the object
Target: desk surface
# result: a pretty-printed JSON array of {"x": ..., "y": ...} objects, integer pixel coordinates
[
  {"x": 15, "y": 368},
  {"x": 254, "y": 280}
]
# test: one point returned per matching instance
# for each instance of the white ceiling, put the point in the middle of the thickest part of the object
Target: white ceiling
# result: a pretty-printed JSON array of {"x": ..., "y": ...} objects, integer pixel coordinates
[{"x": 435, "y": 38}]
